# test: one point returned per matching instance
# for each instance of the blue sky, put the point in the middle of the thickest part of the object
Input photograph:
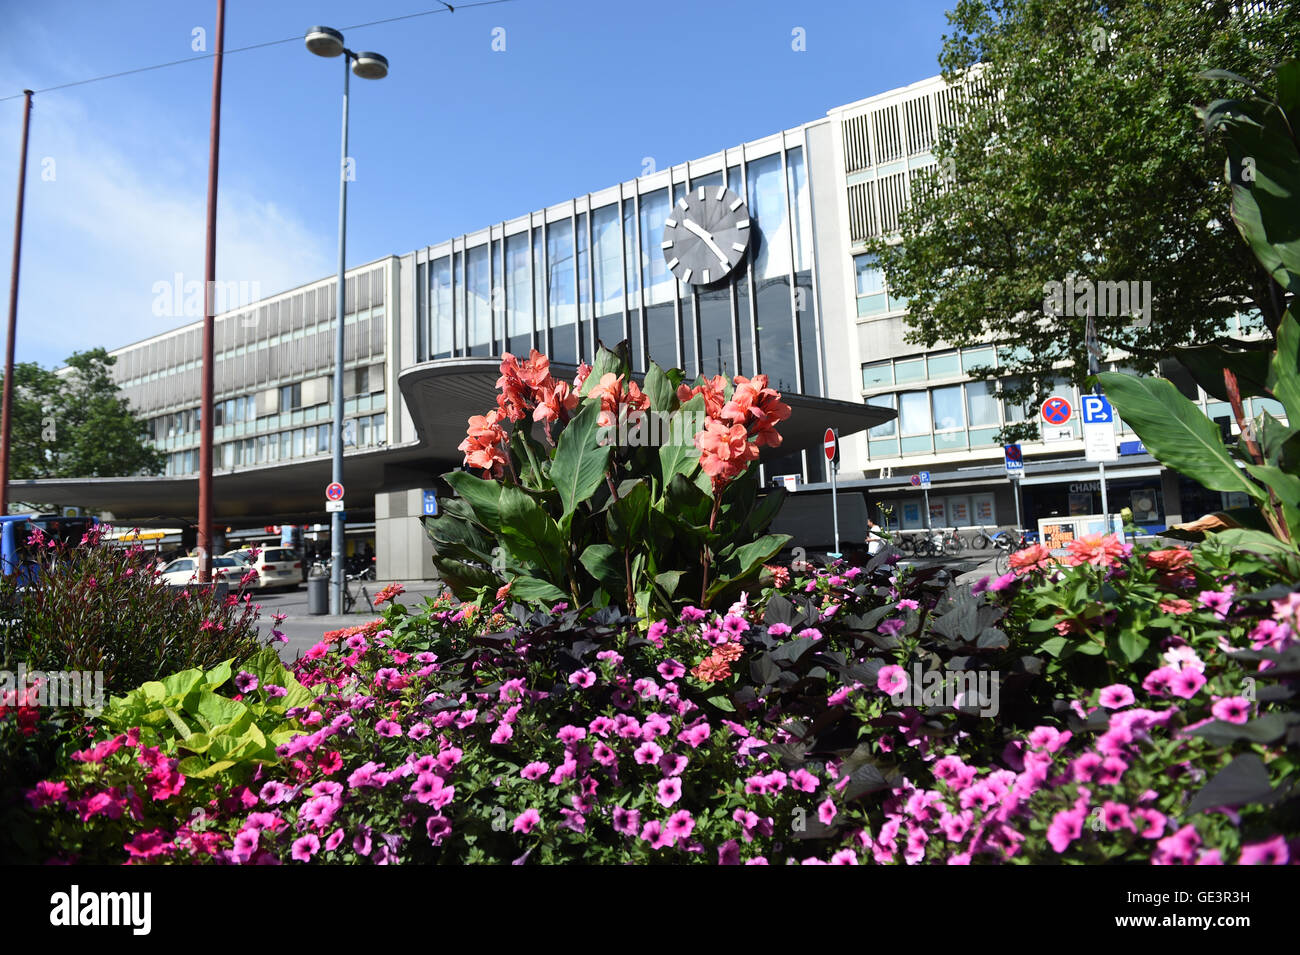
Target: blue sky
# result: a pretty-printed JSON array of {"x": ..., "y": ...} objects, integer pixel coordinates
[{"x": 458, "y": 136}]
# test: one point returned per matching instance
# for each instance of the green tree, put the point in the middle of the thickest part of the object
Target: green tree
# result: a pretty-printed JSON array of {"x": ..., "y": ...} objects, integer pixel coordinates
[
  {"x": 1078, "y": 153},
  {"x": 73, "y": 423}
]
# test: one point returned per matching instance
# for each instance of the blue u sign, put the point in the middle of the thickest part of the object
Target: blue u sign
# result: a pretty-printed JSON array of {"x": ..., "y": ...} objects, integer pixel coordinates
[{"x": 430, "y": 503}]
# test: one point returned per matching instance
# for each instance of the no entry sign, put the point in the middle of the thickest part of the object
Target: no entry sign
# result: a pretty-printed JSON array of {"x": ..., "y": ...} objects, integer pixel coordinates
[
  {"x": 829, "y": 444},
  {"x": 1056, "y": 410}
]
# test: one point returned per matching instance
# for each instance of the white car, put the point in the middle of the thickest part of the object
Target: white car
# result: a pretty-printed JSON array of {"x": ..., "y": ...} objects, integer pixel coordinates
[
  {"x": 275, "y": 566},
  {"x": 185, "y": 570}
]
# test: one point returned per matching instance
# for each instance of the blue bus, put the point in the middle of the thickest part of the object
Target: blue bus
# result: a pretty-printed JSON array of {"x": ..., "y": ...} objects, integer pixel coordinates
[{"x": 15, "y": 553}]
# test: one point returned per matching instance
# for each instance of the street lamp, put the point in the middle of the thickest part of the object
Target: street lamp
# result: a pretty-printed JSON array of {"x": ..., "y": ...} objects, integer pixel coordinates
[{"x": 325, "y": 41}]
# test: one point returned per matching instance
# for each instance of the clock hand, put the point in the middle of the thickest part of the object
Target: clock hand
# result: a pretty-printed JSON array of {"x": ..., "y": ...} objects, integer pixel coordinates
[{"x": 708, "y": 240}]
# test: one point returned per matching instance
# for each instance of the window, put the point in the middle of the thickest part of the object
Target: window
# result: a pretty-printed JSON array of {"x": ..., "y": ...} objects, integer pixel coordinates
[
  {"x": 943, "y": 365},
  {"x": 870, "y": 278},
  {"x": 913, "y": 369},
  {"x": 877, "y": 373},
  {"x": 563, "y": 292},
  {"x": 949, "y": 411},
  {"x": 479, "y": 301},
  {"x": 976, "y": 357},
  {"x": 291, "y": 396},
  {"x": 889, "y": 428},
  {"x": 914, "y": 412},
  {"x": 981, "y": 406},
  {"x": 362, "y": 380}
]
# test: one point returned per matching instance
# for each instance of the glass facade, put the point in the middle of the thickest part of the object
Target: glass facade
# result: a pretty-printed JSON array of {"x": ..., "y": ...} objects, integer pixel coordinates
[{"x": 598, "y": 275}]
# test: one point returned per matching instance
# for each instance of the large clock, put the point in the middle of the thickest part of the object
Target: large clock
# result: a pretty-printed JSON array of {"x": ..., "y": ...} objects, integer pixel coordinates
[{"x": 706, "y": 235}]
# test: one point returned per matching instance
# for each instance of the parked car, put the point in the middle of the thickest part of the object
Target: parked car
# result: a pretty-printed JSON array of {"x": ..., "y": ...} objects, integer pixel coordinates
[
  {"x": 185, "y": 570},
  {"x": 277, "y": 567}
]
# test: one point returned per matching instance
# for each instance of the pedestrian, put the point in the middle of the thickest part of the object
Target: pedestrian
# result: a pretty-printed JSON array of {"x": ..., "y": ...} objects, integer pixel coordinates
[{"x": 874, "y": 538}]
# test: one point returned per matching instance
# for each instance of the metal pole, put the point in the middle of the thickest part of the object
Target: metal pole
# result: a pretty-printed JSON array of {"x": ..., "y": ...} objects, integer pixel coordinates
[
  {"x": 5, "y": 420},
  {"x": 1015, "y": 492},
  {"x": 835, "y": 504},
  {"x": 336, "y": 524},
  {"x": 1091, "y": 345},
  {"x": 209, "y": 323},
  {"x": 925, "y": 493}
]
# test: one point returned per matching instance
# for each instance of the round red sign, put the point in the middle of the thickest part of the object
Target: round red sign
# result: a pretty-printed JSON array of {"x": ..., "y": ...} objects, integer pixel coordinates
[{"x": 829, "y": 444}]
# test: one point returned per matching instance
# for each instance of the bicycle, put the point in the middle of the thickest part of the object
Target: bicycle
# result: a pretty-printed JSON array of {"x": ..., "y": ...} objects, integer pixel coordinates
[
  {"x": 1009, "y": 543},
  {"x": 983, "y": 540},
  {"x": 350, "y": 598}
]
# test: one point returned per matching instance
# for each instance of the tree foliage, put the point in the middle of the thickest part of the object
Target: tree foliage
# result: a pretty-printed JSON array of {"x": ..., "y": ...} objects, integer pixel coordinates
[
  {"x": 73, "y": 423},
  {"x": 1079, "y": 154}
]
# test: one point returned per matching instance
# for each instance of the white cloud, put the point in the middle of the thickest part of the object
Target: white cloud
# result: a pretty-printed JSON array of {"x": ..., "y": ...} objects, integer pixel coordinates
[{"x": 110, "y": 225}]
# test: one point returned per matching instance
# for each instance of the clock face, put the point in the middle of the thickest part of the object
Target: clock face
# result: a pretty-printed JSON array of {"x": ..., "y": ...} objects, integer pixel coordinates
[{"x": 706, "y": 235}]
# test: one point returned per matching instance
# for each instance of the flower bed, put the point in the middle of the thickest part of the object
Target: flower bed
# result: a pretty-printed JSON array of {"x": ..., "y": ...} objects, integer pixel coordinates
[{"x": 814, "y": 722}]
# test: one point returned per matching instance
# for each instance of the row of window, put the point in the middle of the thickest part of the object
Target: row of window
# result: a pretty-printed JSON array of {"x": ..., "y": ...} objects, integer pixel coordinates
[
  {"x": 361, "y": 432},
  {"x": 351, "y": 406},
  {"x": 561, "y": 286},
  {"x": 968, "y": 415},
  {"x": 240, "y": 350}
]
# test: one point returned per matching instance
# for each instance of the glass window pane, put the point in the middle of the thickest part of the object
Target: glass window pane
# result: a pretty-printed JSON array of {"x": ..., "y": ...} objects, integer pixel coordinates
[
  {"x": 587, "y": 346},
  {"x": 949, "y": 411},
  {"x": 563, "y": 295},
  {"x": 519, "y": 295},
  {"x": 889, "y": 428},
  {"x": 608, "y": 273},
  {"x": 943, "y": 365},
  {"x": 877, "y": 373},
  {"x": 657, "y": 281},
  {"x": 715, "y": 333},
  {"x": 975, "y": 357},
  {"x": 770, "y": 241},
  {"x": 914, "y": 412},
  {"x": 776, "y": 354},
  {"x": 981, "y": 406},
  {"x": 871, "y": 305},
  {"x": 913, "y": 369},
  {"x": 801, "y": 206},
  {"x": 870, "y": 278},
  {"x": 479, "y": 303}
]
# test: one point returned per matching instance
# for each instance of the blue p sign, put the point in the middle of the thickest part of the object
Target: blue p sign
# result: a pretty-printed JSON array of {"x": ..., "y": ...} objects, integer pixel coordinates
[{"x": 1097, "y": 410}]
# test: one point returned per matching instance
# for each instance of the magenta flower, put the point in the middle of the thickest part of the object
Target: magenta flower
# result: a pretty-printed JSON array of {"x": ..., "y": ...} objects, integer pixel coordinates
[
  {"x": 671, "y": 669},
  {"x": 1220, "y": 602},
  {"x": 1231, "y": 709},
  {"x": 419, "y": 731},
  {"x": 907, "y": 605},
  {"x": 670, "y": 790},
  {"x": 583, "y": 678},
  {"x": 1066, "y": 826},
  {"x": 826, "y": 811},
  {"x": 1116, "y": 696},
  {"x": 334, "y": 840},
  {"x": 776, "y": 630},
  {"x": 892, "y": 627},
  {"x": 647, "y": 753},
  {"x": 526, "y": 820},
  {"x": 245, "y": 682},
  {"x": 571, "y": 735},
  {"x": 305, "y": 847},
  {"x": 1159, "y": 682},
  {"x": 1272, "y": 852},
  {"x": 891, "y": 680},
  {"x": 1003, "y": 582},
  {"x": 1186, "y": 683},
  {"x": 437, "y": 828},
  {"x": 502, "y": 733},
  {"x": 729, "y": 853},
  {"x": 388, "y": 729},
  {"x": 808, "y": 633},
  {"x": 627, "y": 821},
  {"x": 534, "y": 771},
  {"x": 680, "y": 825},
  {"x": 672, "y": 764},
  {"x": 656, "y": 632}
]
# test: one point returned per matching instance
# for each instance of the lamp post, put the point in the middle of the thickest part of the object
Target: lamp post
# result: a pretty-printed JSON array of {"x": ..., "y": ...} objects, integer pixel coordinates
[{"x": 325, "y": 41}]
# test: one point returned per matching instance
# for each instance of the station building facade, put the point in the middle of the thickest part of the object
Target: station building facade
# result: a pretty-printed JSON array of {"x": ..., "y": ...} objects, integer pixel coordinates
[{"x": 424, "y": 332}]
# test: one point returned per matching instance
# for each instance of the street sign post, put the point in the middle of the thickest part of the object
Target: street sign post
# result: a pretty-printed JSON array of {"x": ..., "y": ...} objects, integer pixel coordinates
[
  {"x": 334, "y": 491},
  {"x": 831, "y": 447},
  {"x": 1098, "y": 413},
  {"x": 1014, "y": 461},
  {"x": 1056, "y": 410}
]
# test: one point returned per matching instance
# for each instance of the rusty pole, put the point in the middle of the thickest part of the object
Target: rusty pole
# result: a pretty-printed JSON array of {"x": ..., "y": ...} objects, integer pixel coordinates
[
  {"x": 209, "y": 277},
  {"x": 5, "y": 417}
]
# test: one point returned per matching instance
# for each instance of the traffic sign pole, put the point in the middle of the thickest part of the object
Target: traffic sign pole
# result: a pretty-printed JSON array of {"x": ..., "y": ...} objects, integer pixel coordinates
[
  {"x": 831, "y": 443},
  {"x": 1090, "y": 341}
]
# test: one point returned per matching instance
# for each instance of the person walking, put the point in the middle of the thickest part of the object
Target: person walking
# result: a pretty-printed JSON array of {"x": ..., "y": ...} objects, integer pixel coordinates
[{"x": 874, "y": 539}]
